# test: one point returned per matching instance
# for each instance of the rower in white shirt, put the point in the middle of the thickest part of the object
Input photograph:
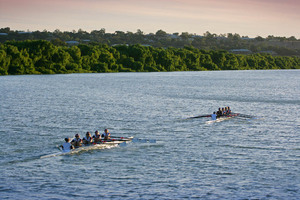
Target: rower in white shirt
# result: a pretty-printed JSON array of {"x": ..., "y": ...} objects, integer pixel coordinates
[{"x": 67, "y": 146}]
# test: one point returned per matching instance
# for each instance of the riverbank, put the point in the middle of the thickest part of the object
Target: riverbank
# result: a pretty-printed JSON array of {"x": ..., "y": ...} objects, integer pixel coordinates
[{"x": 42, "y": 57}]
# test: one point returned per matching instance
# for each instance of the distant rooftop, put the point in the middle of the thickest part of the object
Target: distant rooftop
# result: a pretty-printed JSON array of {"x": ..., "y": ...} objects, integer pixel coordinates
[
  {"x": 244, "y": 50},
  {"x": 23, "y": 32},
  {"x": 247, "y": 38},
  {"x": 241, "y": 51},
  {"x": 72, "y": 42}
]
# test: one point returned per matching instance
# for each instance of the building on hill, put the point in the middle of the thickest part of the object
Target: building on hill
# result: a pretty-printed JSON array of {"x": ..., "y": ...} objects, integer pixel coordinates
[
  {"x": 240, "y": 51},
  {"x": 23, "y": 32},
  {"x": 72, "y": 43},
  {"x": 273, "y": 53}
]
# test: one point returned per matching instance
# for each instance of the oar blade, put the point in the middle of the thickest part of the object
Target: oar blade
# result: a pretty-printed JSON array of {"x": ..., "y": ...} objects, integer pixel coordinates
[
  {"x": 123, "y": 144},
  {"x": 199, "y": 116},
  {"x": 137, "y": 140},
  {"x": 152, "y": 141}
]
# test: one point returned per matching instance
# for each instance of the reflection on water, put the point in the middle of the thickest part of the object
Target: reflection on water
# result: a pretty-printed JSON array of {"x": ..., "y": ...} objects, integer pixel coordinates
[{"x": 240, "y": 158}]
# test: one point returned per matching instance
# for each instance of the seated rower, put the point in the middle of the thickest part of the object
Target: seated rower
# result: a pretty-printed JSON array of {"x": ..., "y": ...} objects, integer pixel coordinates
[
  {"x": 106, "y": 135},
  {"x": 219, "y": 113},
  {"x": 67, "y": 146},
  {"x": 214, "y": 116},
  {"x": 87, "y": 140},
  {"x": 228, "y": 110},
  {"x": 97, "y": 137},
  {"x": 223, "y": 112},
  {"x": 77, "y": 141}
]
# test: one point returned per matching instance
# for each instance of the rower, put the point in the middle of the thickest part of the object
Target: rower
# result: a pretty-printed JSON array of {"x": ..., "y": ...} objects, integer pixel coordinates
[
  {"x": 223, "y": 112},
  {"x": 219, "y": 113},
  {"x": 77, "y": 141},
  {"x": 214, "y": 116},
  {"x": 106, "y": 135},
  {"x": 87, "y": 140},
  {"x": 97, "y": 137},
  {"x": 228, "y": 110},
  {"x": 67, "y": 146}
]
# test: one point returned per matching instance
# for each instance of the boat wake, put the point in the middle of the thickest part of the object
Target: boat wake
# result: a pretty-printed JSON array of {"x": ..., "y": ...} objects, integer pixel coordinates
[
  {"x": 81, "y": 150},
  {"x": 223, "y": 118}
]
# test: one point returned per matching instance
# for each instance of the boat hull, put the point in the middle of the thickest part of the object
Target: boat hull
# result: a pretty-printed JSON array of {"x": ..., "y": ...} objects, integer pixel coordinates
[
  {"x": 223, "y": 118},
  {"x": 105, "y": 144}
]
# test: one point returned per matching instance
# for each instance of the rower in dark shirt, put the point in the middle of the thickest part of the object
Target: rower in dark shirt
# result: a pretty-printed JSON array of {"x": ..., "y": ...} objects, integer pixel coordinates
[
  {"x": 77, "y": 141},
  {"x": 228, "y": 110},
  {"x": 223, "y": 112},
  {"x": 219, "y": 113}
]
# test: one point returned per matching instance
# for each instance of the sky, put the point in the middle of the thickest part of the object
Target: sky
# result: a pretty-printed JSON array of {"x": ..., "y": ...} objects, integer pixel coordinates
[{"x": 246, "y": 17}]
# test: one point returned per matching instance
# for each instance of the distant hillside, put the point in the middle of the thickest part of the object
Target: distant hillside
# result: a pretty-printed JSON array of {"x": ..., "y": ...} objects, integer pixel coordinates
[{"x": 229, "y": 42}]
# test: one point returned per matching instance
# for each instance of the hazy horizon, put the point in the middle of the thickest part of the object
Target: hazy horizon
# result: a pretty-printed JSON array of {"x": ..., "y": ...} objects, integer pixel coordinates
[{"x": 245, "y": 17}]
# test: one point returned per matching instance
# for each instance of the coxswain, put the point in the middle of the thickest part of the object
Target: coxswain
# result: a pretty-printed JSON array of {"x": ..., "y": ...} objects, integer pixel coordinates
[
  {"x": 77, "y": 141},
  {"x": 106, "y": 135},
  {"x": 97, "y": 137},
  {"x": 67, "y": 146},
  {"x": 214, "y": 116},
  {"x": 87, "y": 140}
]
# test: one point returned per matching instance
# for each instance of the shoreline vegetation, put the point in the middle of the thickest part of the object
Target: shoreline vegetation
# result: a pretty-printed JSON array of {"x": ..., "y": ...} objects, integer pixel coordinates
[
  {"x": 43, "y": 57},
  {"x": 100, "y": 52}
]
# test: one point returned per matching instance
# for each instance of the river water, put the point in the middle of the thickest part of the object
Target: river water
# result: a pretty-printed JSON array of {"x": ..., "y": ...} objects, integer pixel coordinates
[{"x": 240, "y": 158}]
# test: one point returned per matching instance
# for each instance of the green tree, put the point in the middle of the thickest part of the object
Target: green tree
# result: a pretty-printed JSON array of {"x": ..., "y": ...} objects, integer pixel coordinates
[
  {"x": 252, "y": 62},
  {"x": 100, "y": 67},
  {"x": 218, "y": 57},
  {"x": 138, "y": 66},
  {"x": 4, "y": 62},
  {"x": 231, "y": 62},
  {"x": 160, "y": 33}
]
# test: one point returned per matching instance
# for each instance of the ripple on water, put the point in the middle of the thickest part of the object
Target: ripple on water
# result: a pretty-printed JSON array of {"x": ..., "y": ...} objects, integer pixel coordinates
[{"x": 241, "y": 158}]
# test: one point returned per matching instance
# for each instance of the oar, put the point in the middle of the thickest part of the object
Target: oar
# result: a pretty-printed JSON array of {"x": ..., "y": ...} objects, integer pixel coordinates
[
  {"x": 118, "y": 139},
  {"x": 200, "y": 116},
  {"x": 136, "y": 140},
  {"x": 243, "y": 116},
  {"x": 121, "y": 138}
]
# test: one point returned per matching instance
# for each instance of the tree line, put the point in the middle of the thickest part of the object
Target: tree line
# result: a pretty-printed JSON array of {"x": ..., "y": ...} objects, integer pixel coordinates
[{"x": 43, "y": 57}]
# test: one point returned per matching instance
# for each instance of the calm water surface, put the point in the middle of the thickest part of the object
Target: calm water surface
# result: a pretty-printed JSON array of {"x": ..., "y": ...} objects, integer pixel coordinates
[{"x": 241, "y": 158}]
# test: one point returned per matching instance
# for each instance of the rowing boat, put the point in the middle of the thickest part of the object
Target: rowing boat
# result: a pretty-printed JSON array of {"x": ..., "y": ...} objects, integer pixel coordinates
[
  {"x": 222, "y": 118},
  {"x": 104, "y": 144}
]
